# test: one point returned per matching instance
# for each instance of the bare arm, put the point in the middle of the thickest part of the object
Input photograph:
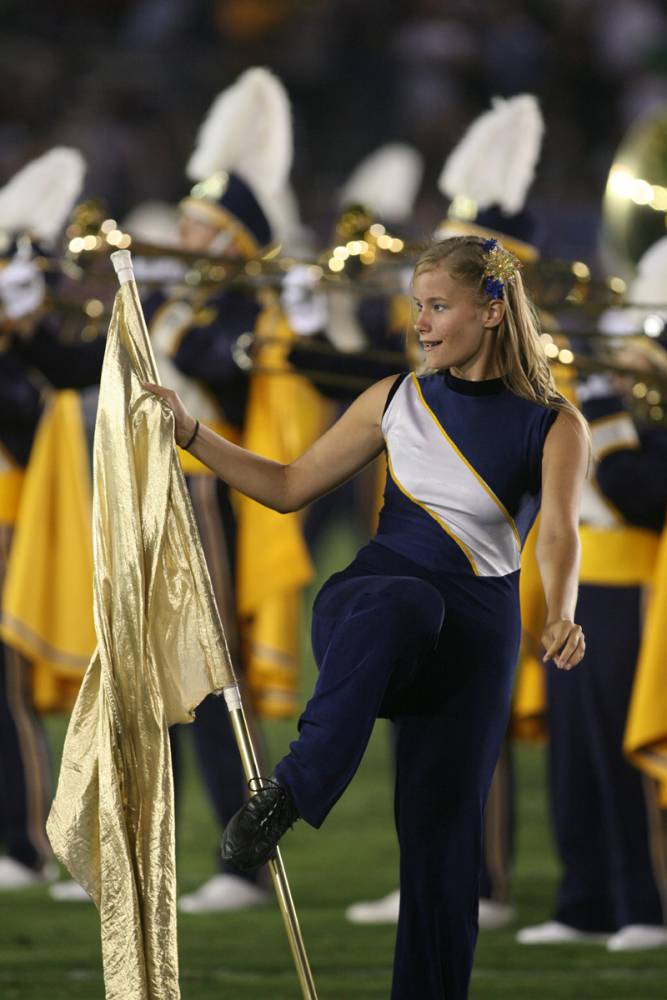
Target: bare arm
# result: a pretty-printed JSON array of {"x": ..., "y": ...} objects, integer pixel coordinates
[
  {"x": 564, "y": 464},
  {"x": 339, "y": 454}
]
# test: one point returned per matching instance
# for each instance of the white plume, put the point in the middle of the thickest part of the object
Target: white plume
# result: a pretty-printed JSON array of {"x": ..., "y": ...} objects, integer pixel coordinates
[
  {"x": 248, "y": 130},
  {"x": 494, "y": 163},
  {"x": 650, "y": 285},
  {"x": 39, "y": 198},
  {"x": 387, "y": 181},
  {"x": 648, "y": 290},
  {"x": 154, "y": 222}
]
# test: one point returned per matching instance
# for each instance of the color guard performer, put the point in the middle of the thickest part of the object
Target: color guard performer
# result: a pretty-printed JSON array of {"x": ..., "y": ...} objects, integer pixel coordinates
[
  {"x": 486, "y": 178},
  {"x": 472, "y": 447}
]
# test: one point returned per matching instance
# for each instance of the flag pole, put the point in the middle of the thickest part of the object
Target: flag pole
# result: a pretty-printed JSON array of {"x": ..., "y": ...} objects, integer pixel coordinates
[
  {"x": 276, "y": 866},
  {"x": 122, "y": 263}
]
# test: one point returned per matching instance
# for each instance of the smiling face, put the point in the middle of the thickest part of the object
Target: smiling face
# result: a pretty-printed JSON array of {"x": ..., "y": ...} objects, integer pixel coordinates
[{"x": 456, "y": 326}]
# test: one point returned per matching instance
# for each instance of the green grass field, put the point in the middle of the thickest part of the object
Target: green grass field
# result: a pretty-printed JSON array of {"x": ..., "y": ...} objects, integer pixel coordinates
[{"x": 50, "y": 951}]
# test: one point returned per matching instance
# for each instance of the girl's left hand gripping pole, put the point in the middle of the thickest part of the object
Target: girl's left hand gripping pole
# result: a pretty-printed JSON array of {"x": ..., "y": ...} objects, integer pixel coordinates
[{"x": 122, "y": 262}]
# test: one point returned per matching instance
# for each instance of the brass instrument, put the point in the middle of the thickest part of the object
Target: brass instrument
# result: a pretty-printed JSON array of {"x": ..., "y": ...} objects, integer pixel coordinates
[
  {"x": 367, "y": 261},
  {"x": 635, "y": 201},
  {"x": 643, "y": 383}
]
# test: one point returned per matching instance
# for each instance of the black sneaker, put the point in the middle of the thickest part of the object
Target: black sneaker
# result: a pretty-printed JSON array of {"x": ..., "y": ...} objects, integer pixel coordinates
[{"x": 252, "y": 833}]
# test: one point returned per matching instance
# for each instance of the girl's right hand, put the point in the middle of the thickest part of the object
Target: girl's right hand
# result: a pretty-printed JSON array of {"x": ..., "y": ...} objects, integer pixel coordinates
[{"x": 184, "y": 422}]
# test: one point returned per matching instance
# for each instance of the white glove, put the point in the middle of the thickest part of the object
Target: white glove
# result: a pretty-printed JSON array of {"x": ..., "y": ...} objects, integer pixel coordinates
[
  {"x": 22, "y": 288},
  {"x": 306, "y": 309}
]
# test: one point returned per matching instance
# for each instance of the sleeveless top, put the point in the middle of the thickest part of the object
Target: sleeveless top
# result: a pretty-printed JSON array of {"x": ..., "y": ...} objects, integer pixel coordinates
[{"x": 464, "y": 473}]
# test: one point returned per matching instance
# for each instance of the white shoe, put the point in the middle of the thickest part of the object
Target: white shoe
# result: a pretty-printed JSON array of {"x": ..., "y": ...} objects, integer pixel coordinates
[
  {"x": 493, "y": 916},
  {"x": 14, "y": 875},
  {"x": 638, "y": 937},
  {"x": 553, "y": 932},
  {"x": 378, "y": 911},
  {"x": 224, "y": 894},
  {"x": 69, "y": 892}
]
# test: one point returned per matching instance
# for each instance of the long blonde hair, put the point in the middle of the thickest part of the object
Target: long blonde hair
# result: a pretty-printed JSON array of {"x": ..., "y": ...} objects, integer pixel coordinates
[{"x": 519, "y": 352}]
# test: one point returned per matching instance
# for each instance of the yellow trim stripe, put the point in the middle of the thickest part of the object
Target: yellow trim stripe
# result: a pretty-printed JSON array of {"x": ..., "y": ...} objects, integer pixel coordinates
[
  {"x": 621, "y": 416},
  {"x": 30, "y": 643},
  {"x": 448, "y": 531},
  {"x": 179, "y": 329},
  {"x": 272, "y": 655},
  {"x": 500, "y": 505}
]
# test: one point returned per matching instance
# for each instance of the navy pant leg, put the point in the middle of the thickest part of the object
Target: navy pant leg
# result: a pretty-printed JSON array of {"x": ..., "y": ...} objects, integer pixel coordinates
[
  {"x": 599, "y": 799},
  {"x": 219, "y": 764},
  {"x": 216, "y": 753},
  {"x": 499, "y": 825},
  {"x": 369, "y": 634},
  {"x": 25, "y": 770},
  {"x": 445, "y": 764},
  {"x": 583, "y": 898}
]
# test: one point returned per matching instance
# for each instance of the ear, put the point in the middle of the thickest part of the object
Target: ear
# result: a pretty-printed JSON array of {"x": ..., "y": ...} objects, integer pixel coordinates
[{"x": 493, "y": 313}]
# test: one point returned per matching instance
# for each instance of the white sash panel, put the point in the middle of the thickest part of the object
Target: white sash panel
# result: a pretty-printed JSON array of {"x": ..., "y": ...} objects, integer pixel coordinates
[
  {"x": 596, "y": 510},
  {"x": 166, "y": 329},
  {"x": 613, "y": 433},
  {"x": 428, "y": 467}
]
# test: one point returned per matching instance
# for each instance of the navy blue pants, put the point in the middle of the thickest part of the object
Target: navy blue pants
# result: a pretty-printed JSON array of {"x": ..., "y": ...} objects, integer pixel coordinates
[
  {"x": 25, "y": 765},
  {"x": 605, "y": 812},
  {"x": 436, "y": 654},
  {"x": 499, "y": 826}
]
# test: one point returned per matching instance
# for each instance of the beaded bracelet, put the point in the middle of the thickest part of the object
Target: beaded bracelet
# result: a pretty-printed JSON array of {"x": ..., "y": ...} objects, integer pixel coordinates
[{"x": 192, "y": 437}]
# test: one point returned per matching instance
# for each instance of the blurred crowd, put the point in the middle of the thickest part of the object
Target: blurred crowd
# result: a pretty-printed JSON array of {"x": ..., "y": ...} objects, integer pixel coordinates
[{"x": 127, "y": 82}]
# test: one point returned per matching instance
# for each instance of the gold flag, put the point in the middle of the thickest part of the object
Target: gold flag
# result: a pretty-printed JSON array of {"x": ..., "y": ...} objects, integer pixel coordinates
[{"x": 161, "y": 650}]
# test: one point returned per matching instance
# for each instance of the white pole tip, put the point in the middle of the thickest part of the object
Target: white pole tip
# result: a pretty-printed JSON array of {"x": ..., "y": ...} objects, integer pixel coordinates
[{"x": 122, "y": 262}]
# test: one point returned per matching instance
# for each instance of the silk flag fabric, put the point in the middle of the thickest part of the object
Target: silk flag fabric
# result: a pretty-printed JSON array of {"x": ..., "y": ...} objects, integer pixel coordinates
[
  {"x": 645, "y": 740},
  {"x": 161, "y": 650},
  {"x": 285, "y": 415},
  {"x": 48, "y": 596}
]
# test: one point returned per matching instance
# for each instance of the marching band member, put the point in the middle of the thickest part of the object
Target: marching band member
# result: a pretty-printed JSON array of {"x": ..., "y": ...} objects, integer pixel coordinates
[
  {"x": 33, "y": 357},
  {"x": 605, "y": 813},
  {"x": 240, "y": 163}
]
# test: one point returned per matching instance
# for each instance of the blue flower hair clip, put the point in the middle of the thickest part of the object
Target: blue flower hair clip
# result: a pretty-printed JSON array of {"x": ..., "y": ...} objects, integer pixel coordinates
[{"x": 500, "y": 267}]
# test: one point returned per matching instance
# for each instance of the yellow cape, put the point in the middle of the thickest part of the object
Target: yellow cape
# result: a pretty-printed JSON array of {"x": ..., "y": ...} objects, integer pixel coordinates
[
  {"x": 48, "y": 594},
  {"x": 646, "y": 729},
  {"x": 285, "y": 415}
]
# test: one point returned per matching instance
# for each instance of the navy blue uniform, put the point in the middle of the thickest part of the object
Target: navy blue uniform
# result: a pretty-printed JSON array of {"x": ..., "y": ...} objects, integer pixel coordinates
[
  {"x": 27, "y": 366},
  {"x": 603, "y": 808},
  {"x": 424, "y": 627},
  {"x": 194, "y": 349}
]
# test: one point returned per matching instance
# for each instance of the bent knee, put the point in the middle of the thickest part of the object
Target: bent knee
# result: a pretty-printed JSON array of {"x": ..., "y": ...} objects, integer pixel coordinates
[{"x": 410, "y": 608}]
